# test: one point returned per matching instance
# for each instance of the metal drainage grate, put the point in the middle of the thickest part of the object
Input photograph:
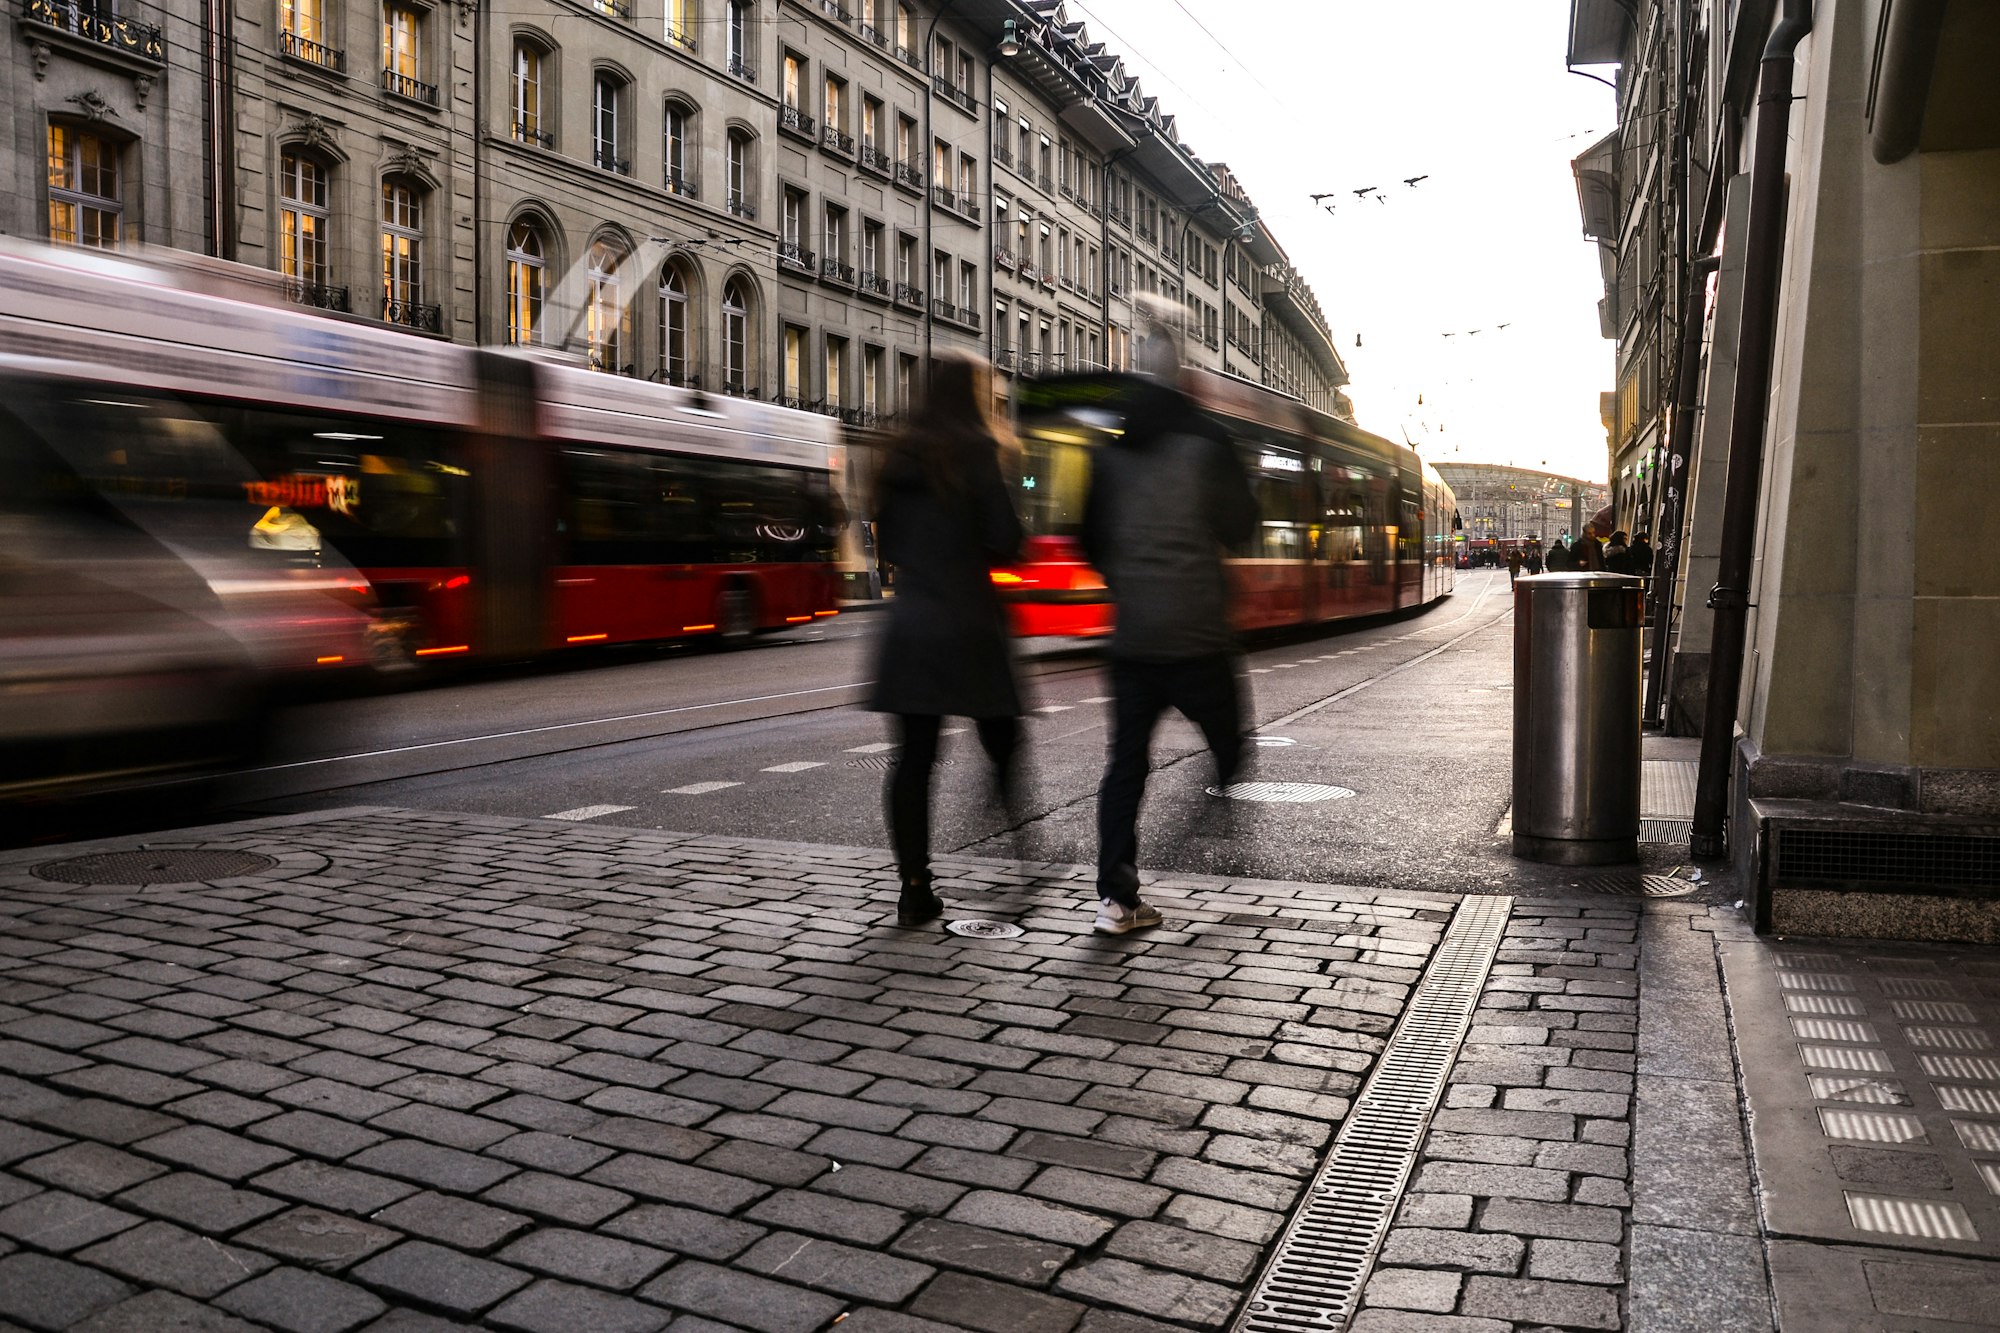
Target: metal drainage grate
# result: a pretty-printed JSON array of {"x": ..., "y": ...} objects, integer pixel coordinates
[
  {"x": 985, "y": 930},
  {"x": 139, "y": 869},
  {"x": 1316, "y": 1274},
  {"x": 1631, "y": 884},
  {"x": 1673, "y": 832},
  {"x": 1293, "y": 793}
]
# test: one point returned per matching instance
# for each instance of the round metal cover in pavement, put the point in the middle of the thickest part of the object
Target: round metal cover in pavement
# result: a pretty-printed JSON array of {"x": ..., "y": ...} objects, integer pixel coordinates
[
  {"x": 985, "y": 930},
  {"x": 139, "y": 869},
  {"x": 1291, "y": 793}
]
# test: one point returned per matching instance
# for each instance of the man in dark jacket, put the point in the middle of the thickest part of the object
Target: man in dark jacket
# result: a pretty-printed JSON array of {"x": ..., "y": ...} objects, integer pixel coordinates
[{"x": 1167, "y": 497}]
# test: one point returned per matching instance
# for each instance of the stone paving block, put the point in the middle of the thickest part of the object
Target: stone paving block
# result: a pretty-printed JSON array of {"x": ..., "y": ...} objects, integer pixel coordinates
[
  {"x": 444, "y": 1279},
  {"x": 1531, "y": 1301},
  {"x": 330, "y": 1097},
  {"x": 60, "y": 1221},
  {"x": 1474, "y": 1252},
  {"x": 1575, "y": 1261},
  {"x": 559, "y": 1153},
  {"x": 688, "y": 1231},
  {"x": 1015, "y": 1213},
  {"x": 1451, "y": 1212},
  {"x": 558, "y": 1198},
  {"x": 648, "y": 1137},
  {"x": 1694, "y": 1282},
  {"x": 315, "y": 1135},
  {"x": 558, "y": 1307},
  {"x": 893, "y": 1189},
  {"x": 1408, "y": 1321},
  {"x": 459, "y": 1223},
  {"x": 317, "y": 1239},
  {"x": 964, "y": 1301},
  {"x": 160, "y": 1254},
  {"x": 1530, "y": 1217},
  {"x": 1106, "y": 1193},
  {"x": 858, "y": 1220},
  {"x": 1213, "y": 1257},
  {"x": 865, "y": 1274},
  {"x": 335, "y": 1187},
  {"x": 1413, "y": 1289},
  {"x": 1522, "y": 1182},
  {"x": 744, "y": 1299},
  {"x": 47, "y": 1293},
  {"x": 432, "y": 1164},
  {"x": 91, "y": 1118},
  {"x": 453, "y": 1129},
  {"x": 90, "y": 1169},
  {"x": 1150, "y": 1291},
  {"x": 676, "y": 1182},
  {"x": 583, "y": 1256},
  {"x": 224, "y": 1109},
  {"x": 996, "y": 1254},
  {"x": 163, "y": 1312},
  {"x": 298, "y": 1301},
  {"x": 774, "y": 1166},
  {"x": 18, "y": 1141}
]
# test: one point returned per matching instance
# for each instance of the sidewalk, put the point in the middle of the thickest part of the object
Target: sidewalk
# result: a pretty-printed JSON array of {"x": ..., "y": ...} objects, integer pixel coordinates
[{"x": 377, "y": 1069}]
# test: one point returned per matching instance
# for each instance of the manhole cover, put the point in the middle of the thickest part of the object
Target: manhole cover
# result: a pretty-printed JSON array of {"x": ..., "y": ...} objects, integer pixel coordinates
[
  {"x": 882, "y": 763},
  {"x": 1272, "y": 742},
  {"x": 1294, "y": 793},
  {"x": 1630, "y": 885},
  {"x": 986, "y": 930},
  {"x": 138, "y": 869}
]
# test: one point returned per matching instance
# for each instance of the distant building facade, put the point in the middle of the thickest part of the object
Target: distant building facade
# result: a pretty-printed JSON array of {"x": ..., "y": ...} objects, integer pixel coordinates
[{"x": 1498, "y": 502}]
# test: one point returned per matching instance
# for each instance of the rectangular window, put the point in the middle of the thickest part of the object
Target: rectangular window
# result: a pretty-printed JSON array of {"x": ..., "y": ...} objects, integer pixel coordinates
[
  {"x": 793, "y": 390},
  {"x": 871, "y": 380},
  {"x": 85, "y": 208},
  {"x": 302, "y": 225},
  {"x": 968, "y": 289},
  {"x": 968, "y": 178},
  {"x": 401, "y": 66},
  {"x": 833, "y": 113},
  {"x": 906, "y": 141},
  {"x": 679, "y": 178},
  {"x": 871, "y": 249},
  {"x": 680, "y": 23},
  {"x": 737, "y": 40},
  {"x": 402, "y": 251},
  {"x": 527, "y": 95},
  {"x": 871, "y": 122},
  {"x": 836, "y": 372},
  {"x": 604, "y": 124},
  {"x": 794, "y": 81}
]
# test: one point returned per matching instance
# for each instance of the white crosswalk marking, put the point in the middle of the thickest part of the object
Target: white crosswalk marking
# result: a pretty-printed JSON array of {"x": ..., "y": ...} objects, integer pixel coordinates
[
  {"x": 877, "y": 748},
  {"x": 699, "y": 788},
  {"x": 1096, "y": 699},
  {"x": 1053, "y": 708},
  {"x": 796, "y": 766},
  {"x": 1260, "y": 671},
  {"x": 953, "y": 731},
  {"x": 583, "y": 812}
]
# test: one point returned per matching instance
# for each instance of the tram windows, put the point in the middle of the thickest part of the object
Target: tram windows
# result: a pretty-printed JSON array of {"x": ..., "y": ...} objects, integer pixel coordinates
[
  {"x": 622, "y": 507},
  {"x": 1055, "y": 482}
]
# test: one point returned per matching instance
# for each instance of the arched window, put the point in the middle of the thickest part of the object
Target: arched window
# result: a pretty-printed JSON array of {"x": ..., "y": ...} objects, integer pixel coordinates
[
  {"x": 735, "y": 337},
  {"x": 604, "y": 311},
  {"x": 737, "y": 162},
  {"x": 526, "y": 87},
  {"x": 607, "y": 135},
  {"x": 303, "y": 221},
  {"x": 403, "y": 255},
  {"x": 527, "y": 282},
  {"x": 85, "y": 207},
  {"x": 676, "y": 356},
  {"x": 681, "y": 151}
]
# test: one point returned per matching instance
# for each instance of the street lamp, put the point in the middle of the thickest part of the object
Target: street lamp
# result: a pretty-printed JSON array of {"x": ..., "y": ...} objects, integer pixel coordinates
[{"x": 1010, "y": 40}]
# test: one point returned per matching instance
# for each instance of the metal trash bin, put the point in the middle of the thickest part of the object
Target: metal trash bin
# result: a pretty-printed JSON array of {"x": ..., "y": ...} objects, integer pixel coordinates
[{"x": 1577, "y": 657}]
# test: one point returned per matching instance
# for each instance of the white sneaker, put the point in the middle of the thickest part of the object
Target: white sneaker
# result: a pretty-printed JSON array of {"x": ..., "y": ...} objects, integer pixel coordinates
[{"x": 1116, "y": 918}]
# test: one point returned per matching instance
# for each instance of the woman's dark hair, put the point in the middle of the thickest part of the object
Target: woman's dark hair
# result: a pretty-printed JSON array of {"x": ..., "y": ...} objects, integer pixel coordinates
[{"x": 949, "y": 426}]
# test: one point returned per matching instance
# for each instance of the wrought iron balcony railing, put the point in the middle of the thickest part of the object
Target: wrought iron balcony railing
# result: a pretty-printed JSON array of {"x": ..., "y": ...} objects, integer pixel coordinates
[
  {"x": 943, "y": 309},
  {"x": 874, "y": 283},
  {"x": 795, "y": 120},
  {"x": 606, "y": 159},
  {"x": 832, "y": 138},
  {"x": 319, "y": 296},
  {"x": 908, "y": 295},
  {"x": 128, "y": 36},
  {"x": 1003, "y": 155},
  {"x": 1004, "y": 258},
  {"x": 833, "y": 270},
  {"x": 910, "y": 174},
  {"x": 969, "y": 318},
  {"x": 413, "y": 315},
  {"x": 875, "y": 160},
  {"x": 795, "y": 256},
  {"x": 303, "y": 50},
  {"x": 741, "y": 70},
  {"x": 1046, "y": 181},
  {"x": 684, "y": 186},
  {"x": 529, "y": 134},
  {"x": 680, "y": 37},
  {"x": 909, "y": 57},
  {"x": 617, "y": 9},
  {"x": 1030, "y": 272},
  {"x": 961, "y": 204},
  {"x": 416, "y": 90},
  {"x": 741, "y": 206},
  {"x": 954, "y": 94},
  {"x": 870, "y": 33},
  {"x": 1119, "y": 216}
]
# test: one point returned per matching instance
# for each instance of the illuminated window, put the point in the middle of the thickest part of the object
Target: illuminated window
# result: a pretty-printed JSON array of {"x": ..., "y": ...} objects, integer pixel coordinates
[
  {"x": 604, "y": 308},
  {"x": 402, "y": 251},
  {"x": 526, "y": 89},
  {"x": 681, "y": 23},
  {"x": 527, "y": 279},
  {"x": 793, "y": 388},
  {"x": 84, "y": 205},
  {"x": 302, "y": 222},
  {"x": 401, "y": 54}
]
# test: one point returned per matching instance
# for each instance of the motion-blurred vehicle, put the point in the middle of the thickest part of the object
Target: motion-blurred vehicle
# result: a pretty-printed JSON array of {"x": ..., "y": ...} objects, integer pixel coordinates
[{"x": 1350, "y": 524}]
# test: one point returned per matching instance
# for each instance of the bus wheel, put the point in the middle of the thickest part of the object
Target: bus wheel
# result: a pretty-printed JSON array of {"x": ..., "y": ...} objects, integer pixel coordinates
[{"x": 736, "y": 615}]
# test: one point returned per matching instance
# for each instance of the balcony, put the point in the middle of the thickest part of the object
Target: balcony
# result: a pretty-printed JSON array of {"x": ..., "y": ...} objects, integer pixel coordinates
[
  {"x": 740, "y": 206},
  {"x": 1006, "y": 358},
  {"x": 1003, "y": 156},
  {"x": 870, "y": 33},
  {"x": 1147, "y": 234},
  {"x": 874, "y": 284},
  {"x": 606, "y": 158},
  {"x": 740, "y": 70},
  {"x": 909, "y": 57},
  {"x": 1046, "y": 181},
  {"x": 834, "y": 140},
  {"x": 969, "y": 318},
  {"x": 862, "y": 417},
  {"x": 961, "y": 204},
  {"x": 1003, "y": 258},
  {"x": 683, "y": 186},
  {"x": 957, "y": 96},
  {"x": 528, "y": 134},
  {"x": 793, "y": 401},
  {"x": 414, "y": 90},
  {"x": 291, "y": 45},
  {"x": 910, "y": 176},
  {"x": 796, "y": 122},
  {"x": 1048, "y": 281},
  {"x": 99, "y": 34},
  {"x": 909, "y": 296},
  {"x": 1119, "y": 216},
  {"x": 1029, "y": 272},
  {"x": 413, "y": 315},
  {"x": 318, "y": 296},
  {"x": 875, "y": 160},
  {"x": 616, "y": 9},
  {"x": 794, "y": 256},
  {"x": 833, "y": 10},
  {"x": 832, "y": 270},
  {"x": 680, "y": 37}
]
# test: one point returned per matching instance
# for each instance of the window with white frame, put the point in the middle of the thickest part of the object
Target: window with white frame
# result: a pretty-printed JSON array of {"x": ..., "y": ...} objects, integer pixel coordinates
[
  {"x": 871, "y": 380},
  {"x": 86, "y": 208},
  {"x": 681, "y": 21},
  {"x": 527, "y": 282},
  {"x": 676, "y": 361},
  {"x": 607, "y": 91},
  {"x": 736, "y": 38},
  {"x": 735, "y": 336},
  {"x": 792, "y": 367},
  {"x": 604, "y": 306},
  {"x": 402, "y": 53},
  {"x": 303, "y": 222},
  {"x": 525, "y": 90},
  {"x": 736, "y": 166},
  {"x": 402, "y": 251},
  {"x": 678, "y": 129},
  {"x": 836, "y": 372}
]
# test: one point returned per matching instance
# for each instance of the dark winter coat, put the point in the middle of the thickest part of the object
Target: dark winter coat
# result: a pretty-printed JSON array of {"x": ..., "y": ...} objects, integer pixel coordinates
[
  {"x": 1639, "y": 558},
  {"x": 945, "y": 651},
  {"x": 1560, "y": 561},
  {"x": 1167, "y": 498}
]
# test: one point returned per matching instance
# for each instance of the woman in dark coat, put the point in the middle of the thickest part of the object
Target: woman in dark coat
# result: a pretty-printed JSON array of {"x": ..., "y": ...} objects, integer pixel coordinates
[{"x": 946, "y": 518}]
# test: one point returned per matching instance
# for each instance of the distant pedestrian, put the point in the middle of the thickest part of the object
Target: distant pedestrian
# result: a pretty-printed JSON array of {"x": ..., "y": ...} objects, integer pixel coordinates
[
  {"x": 946, "y": 518},
  {"x": 1589, "y": 551},
  {"x": 1515, "y": 559},
  {"x": 1534, "y": 560},
  {"x": 1560, "y": 559},
  {"x": 1617, "y": 553},
  {"x": 1167, "y": 497},
  {"x": 1640, "y": 557}
]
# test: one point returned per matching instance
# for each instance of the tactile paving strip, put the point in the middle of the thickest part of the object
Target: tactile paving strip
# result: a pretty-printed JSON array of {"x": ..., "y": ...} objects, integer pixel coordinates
[{"x": 1874, "y": 1091}]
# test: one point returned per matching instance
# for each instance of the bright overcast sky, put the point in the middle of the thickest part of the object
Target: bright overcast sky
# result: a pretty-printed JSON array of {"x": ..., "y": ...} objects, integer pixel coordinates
[{"x": 1311, "y": 96}]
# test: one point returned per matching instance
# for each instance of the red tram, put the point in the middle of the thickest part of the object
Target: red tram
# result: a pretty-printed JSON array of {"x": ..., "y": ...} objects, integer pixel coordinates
[
  {"x": 493, "y": 504},
  {"x": 1350, "y": 524}
]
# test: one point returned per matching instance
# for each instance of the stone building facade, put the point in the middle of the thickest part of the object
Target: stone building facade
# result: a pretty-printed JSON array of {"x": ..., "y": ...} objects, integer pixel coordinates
[
  {"x": 1498, "y": 502},
  {"x": 801, "y": 200}
]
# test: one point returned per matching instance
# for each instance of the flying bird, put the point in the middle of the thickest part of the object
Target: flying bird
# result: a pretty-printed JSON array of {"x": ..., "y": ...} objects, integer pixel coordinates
[
  {"x": 1328, "y": 195},
  {"x": 1411, "y": 181},
  {"x": 1364, "y": 193}
]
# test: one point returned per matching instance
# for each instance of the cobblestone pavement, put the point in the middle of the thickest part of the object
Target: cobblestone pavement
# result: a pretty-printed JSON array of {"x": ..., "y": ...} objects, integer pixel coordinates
[{"x": 423, "y": 1068}]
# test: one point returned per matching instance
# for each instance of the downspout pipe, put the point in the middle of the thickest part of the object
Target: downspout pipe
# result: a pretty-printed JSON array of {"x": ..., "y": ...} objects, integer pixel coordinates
[
  {"x": 1730, "y": 598},
  {"x": 1673, "y": 504}
]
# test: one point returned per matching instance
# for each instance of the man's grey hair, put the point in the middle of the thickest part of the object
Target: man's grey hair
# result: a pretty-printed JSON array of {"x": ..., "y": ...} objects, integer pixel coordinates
[{"x": 1156, "y": 347}]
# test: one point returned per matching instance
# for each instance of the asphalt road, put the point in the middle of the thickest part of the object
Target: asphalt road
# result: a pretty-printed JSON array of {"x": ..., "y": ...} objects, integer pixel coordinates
[{"x": 1411, "y": 716}]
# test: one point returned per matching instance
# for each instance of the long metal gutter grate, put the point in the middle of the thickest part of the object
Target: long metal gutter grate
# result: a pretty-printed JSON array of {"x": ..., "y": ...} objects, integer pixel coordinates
[{"x": 1314, "y": 1279}]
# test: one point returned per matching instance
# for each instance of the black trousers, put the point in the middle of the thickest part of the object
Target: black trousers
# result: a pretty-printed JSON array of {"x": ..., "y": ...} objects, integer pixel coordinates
[
  {"x": 1205, "y": 691},
  {"x": 908, "y": 794}
]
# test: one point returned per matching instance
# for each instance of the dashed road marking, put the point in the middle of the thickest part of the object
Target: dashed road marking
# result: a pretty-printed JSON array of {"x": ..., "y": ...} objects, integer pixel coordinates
[
  {"x": 1054, "y": 708},
  {"x": 699, "y": 788},
  {"x": 1096, "y": 699},
  {"x": 877, "y": 748},
  {"x": 1286, "y": 666},
  {"x": 953, "y": 731},
  {"x": 583, "y": 812},
  {"x": 1260, "y": 671},
  {"x": 796, "y": 766}
]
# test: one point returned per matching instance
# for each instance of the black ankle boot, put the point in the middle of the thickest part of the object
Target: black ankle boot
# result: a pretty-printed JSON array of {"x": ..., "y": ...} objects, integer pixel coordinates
[{"x": 918, "y": 904}]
